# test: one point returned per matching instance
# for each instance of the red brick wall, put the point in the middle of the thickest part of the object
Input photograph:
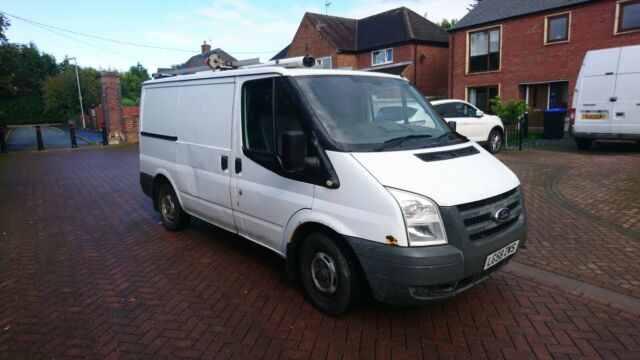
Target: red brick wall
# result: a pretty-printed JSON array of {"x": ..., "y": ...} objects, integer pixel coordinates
[
  {"x": 111, "y": 102},
  {"x": 131, "y": 123},
  {"x": 309, "y": 41},
  {"x": 525, "y": 58},
  {"x": 431, "y": 77},
  {"x": 428, "y": 73},
  {"x": 122, "y": 122}
]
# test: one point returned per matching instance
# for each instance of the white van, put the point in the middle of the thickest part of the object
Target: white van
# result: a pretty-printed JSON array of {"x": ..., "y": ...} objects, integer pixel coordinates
[
  {"x": 313, "y": 165},
  {"x": 606, "y": 100}
]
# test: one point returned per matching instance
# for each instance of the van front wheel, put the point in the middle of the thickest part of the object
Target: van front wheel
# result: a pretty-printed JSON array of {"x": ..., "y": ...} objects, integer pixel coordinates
[
  {"x": 329, "y": 275},
  {"x": 173, "y": 216}
]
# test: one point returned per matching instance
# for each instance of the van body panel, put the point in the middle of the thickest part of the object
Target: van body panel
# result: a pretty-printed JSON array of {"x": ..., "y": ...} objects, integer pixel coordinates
[
  {"x": 626, "y": 108},
  {"x": 361, "y": 206},
  {"x": 607, "y": 95},
  {"x": 204, "y": 138},
  {"x": 447, "y": 182},
  {"x": 263, "y": 201},
  {"x": 160, "y": 104}
]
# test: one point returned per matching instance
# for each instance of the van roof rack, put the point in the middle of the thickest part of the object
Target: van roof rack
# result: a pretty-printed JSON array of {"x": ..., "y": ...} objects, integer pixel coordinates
[{"x": 293, "y": 62}]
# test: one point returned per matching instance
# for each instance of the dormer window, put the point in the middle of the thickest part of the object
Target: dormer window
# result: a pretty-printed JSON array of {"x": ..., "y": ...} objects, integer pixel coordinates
[{"x": 380, "y": 57}]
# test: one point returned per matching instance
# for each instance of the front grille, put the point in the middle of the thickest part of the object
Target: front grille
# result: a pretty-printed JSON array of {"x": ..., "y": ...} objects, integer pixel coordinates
[{"x": 478, "y": 218}]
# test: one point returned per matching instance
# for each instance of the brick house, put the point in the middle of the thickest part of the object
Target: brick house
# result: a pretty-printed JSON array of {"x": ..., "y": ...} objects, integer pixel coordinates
[
  {"x": 533, "y": 50},
  {"x": 397, "y": 41}
]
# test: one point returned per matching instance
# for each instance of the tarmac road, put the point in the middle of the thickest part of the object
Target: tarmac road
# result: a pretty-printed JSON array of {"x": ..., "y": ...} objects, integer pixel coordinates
[{"x": 24, "y": 138}]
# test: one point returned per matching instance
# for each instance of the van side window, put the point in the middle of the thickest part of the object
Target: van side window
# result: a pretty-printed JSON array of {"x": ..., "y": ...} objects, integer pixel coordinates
[
  {"x": 266, "y": 115},
  {"x": 257, "y": 115}
]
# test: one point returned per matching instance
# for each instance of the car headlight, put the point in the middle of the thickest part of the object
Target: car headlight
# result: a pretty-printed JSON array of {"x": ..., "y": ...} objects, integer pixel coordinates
[{"x": 422, "y": 219}]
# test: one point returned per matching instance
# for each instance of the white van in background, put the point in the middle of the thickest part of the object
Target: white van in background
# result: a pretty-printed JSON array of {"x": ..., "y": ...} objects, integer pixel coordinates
[
  {"x": 606, "y": 100},
  {"x": 351, "y": 176}
]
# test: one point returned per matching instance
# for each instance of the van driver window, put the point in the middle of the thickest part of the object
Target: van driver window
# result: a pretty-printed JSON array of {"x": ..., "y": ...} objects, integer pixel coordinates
[{"x": 267, "y": 115}]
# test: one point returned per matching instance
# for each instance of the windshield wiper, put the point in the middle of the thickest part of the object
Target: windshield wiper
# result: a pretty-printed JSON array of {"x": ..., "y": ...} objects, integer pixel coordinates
[{"x": 399, "y": 140}]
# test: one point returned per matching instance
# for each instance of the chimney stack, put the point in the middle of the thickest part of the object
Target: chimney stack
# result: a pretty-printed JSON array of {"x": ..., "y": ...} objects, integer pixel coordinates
[{"x": 205, "y": 47}]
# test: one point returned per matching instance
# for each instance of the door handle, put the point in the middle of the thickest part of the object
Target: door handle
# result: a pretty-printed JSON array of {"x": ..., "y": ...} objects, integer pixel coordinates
[
  {"x": 224, "y": 162},
  {"x": 613, "y": 98},
  {"x": 238, "y": 165}
]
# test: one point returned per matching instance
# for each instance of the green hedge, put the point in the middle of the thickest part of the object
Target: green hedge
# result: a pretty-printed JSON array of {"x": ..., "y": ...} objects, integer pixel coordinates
[{"x": 26, "y": 109}]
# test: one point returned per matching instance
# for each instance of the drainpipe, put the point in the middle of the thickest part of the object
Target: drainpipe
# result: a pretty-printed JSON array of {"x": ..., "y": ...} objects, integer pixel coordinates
[
  {"x": 415, "y": 64},
  {"x": 451, "y": 65}
]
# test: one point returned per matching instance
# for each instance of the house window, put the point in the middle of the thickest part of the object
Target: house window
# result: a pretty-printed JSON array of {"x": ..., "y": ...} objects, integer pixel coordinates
[
  {"x": 384, "y": 56},
  {"x": 484, "y": 50},
  {"x": 480, "y": 96},
  {"x": 324, "y": 63},
  {"x": 629, "y": 15},
  {"x": 557, "y": 28}
]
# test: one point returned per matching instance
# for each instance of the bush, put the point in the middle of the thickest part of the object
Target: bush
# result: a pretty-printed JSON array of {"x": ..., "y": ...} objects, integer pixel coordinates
[
  {"x": 129, "y": 102},
  {"x": 511, "y": 112}
]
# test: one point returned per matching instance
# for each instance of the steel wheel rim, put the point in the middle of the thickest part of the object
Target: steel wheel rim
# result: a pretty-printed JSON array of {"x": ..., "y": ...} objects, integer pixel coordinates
[
  {"x": 323, "y": 273},
  {"x": 168, "y": 207}
]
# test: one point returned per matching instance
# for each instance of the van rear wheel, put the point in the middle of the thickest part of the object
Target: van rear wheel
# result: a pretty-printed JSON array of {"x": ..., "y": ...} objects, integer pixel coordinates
[
  {"x": 584, "y": 144},
  {"x": 173, "y": 216},
  {"x": 329, "y": 275}
]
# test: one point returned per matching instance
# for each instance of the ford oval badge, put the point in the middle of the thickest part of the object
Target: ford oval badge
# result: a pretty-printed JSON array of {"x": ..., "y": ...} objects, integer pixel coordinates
[{"x": 502, "y": 215}]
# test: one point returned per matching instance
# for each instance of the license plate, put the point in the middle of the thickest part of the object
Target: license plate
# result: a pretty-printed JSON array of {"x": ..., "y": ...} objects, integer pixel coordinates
[
  {"x": 594, "y": 116},
  {"x": 501, "y": 254}
]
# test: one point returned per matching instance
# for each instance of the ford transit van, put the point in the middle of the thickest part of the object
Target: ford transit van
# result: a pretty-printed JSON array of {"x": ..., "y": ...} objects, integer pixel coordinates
[
  {"x": 351, "y": 176},
  {"x": 606, "y": 100}
]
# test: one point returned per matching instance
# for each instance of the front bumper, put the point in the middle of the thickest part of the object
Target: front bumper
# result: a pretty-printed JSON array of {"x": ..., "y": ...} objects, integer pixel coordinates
[{"x": 416, "y": 275}]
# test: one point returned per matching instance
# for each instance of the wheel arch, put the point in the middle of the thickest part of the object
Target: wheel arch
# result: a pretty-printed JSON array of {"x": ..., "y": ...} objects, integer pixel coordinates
[
  {"x": 159, "y": 179},
  {"x": 303, "y": 230}
]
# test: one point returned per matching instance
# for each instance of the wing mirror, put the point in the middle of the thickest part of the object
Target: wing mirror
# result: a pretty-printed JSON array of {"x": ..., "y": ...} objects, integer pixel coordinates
[
  {"x": 294, "y": 150},
  {"x": 479, "y": 113},
  {"x": 294, "y": 153},
  {"x": 452, "y": 125}
]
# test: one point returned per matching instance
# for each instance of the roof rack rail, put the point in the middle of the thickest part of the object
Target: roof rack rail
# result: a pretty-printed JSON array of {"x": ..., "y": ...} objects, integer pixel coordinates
[{"x": 294, "y": 62}]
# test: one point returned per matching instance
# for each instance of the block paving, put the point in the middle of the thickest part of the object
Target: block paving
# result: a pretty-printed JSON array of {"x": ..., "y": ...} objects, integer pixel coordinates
[{"x": 87, "y": 271}]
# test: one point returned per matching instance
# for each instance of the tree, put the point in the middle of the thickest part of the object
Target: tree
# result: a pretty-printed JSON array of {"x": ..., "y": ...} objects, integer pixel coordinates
[
  {"x": 131, "y": 84},
  {"x": 473, "y": 4},
  {"x": 447, "y": 24},
  {"x": 511, "y": 112},
  {"x": 60, "y": 92},
  {"x": 22, "y": 70},
  {"x": 4, "y": 24}
]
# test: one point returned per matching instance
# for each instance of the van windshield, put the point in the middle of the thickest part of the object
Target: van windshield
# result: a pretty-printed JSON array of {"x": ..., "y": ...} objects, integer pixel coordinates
[{"x": 369, "y": 113}]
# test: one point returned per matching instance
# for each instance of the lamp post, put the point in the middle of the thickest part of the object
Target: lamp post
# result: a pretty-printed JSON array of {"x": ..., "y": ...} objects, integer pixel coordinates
[{"x": 79, "y": 91}]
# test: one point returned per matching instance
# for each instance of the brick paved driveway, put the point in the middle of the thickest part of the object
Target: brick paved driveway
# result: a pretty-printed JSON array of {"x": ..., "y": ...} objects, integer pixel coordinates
[{"x": 86, "y": 271}]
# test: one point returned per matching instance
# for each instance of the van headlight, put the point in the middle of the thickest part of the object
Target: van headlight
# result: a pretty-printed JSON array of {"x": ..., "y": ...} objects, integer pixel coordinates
[{"x": 422, "y": 219}]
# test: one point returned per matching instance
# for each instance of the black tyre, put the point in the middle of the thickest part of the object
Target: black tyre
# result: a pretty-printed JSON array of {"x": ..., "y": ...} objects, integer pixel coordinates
[
  {"x": 494, "y": 142},
  {"x": 173, "y": 216},
  {"x": 584, "y": 144},
  {"x": 329, "y": 275}
]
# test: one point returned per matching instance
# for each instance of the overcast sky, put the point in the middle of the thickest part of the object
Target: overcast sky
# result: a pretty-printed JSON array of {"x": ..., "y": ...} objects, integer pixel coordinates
[{"x": 243, "y": 28}]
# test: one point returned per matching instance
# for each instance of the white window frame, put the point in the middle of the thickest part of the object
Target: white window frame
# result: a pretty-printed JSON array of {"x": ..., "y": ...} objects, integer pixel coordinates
[
  {"x": 322, "y": 60},
  {"x": 385, "y": 57}
]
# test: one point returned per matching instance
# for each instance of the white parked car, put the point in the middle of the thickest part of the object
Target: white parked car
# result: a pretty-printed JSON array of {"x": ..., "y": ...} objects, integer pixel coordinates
[{"x": 472, "y": 122}]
